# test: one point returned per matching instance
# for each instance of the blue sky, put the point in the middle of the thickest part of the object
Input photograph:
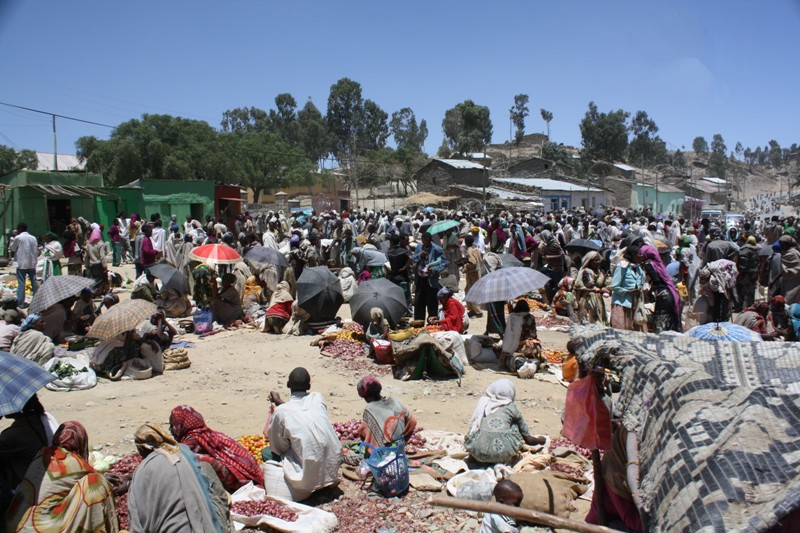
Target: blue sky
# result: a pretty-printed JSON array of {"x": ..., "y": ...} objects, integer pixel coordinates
[{"x": 697, "y": 67}]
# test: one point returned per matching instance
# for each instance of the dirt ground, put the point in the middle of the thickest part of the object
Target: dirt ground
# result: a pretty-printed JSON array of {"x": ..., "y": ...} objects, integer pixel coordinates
[{"x": 233, "y": 372}]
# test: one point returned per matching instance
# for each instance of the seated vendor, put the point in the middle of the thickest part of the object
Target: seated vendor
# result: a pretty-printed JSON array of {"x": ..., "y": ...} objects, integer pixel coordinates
[
  {"x": 227, "y": 304},
  {"x": 84, "y": 312},
  {"x": 60, "y": 486},
  {"x": 301, "y": 433},
  {"x": 172, "y": 491},
  {"x": 564, "y": 302},
  {"x": 452, "y": 312},
  {"x": 174, "y": 304},
  {"x": 9, "y": 329},
  {"x": 756, "y": 318},
  {"x": 30, "y": 430},
  {"x": 59, "y": 323},
  {"x": 254, "y": 297},
  {"x": 378, "y": 327},
  {"x": 233, "y": 464},
  {"x": 109, "y": 301},
  {"x": 32, "y": 343},
  {"x": 385, "y": 421},
  {"x": 497, "y": 430},
  {"x": 159, "y": 329},
  {"x": 520, "y": 343},
  {"x": 109, "y": 356},
  {"x": 280, "y": 309},
  {"x": 144, "y": 288}
]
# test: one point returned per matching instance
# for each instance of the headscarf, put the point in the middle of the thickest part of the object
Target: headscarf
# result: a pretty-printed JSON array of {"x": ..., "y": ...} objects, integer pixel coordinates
[
  {"x": 566, "y": 284},
  {"x": 95, "y": 235},
  {"x": 499, "y": 393},
  {"x": 151, "y": 438},
  {"x": 376, "y": 313},
  {"x": 72, "y": 436},
  {"x": 187, "y": 424},
  {"x": 588, "y": 258},
  {"x": 29, "y": 321},
  {"x": 777, "y": 300},
  {"x": 369, "y": 386},
  {"x": 650, "y": 254},
  {"x": 444, "y": 292},
  {"x": 760, "y": 307},
  {"x": 281, "y": 294}
]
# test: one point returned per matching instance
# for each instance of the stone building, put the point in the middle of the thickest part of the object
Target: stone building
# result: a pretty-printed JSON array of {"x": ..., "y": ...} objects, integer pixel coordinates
[{"x": 440, "y": 174}]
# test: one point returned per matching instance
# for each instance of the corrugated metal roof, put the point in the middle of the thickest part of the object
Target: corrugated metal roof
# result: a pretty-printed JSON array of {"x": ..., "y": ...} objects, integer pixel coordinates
[
  {"x": 626, "y": 168},
  {"x": 718, "y": 181},
  {"x": 706, "y": 186},
  {"x": 461, "y": 163},
  {"x": 547, "y": 184},
  {"x": 65, "y": 162}
]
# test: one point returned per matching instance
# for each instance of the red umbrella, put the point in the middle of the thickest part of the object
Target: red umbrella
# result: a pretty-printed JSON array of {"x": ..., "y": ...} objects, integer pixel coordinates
[{"x": 215, "y": 254}]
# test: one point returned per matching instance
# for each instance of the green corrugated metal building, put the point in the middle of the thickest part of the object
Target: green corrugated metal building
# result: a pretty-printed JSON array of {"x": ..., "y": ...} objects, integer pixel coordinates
[{"x": 47, "y": 201}]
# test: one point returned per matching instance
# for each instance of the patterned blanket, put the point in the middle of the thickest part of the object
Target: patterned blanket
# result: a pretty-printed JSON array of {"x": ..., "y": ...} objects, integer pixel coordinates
[
  {"x": 749, "y": 364},
  {"x": 714, "y": 456}
]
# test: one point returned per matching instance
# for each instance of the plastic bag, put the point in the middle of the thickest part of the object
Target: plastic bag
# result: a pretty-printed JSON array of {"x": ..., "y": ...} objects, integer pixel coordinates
[
  {"x": 476, "y": 479},
  {"x": 85, "y": 379},
  {"x": 476, "y": 490},
  {"x": 203, "y": 321},
  {"x": 587, "y": 421},
  {"x": 309, "y": 519}
]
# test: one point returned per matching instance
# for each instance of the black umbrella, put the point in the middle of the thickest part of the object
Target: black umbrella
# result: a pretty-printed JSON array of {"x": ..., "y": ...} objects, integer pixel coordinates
[
  {"x": 380, "y": 293},
  {"x": 508, "y": 261},
  {"x": 319, "y": 293},
  {"x": 171, "y": 277},
  {"x": 583, "y": 246},
  {"x": 262, "y": 254}
]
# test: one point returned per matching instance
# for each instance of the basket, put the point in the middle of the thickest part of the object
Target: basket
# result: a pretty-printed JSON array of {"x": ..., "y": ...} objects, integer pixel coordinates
[
  {"x": 176, "y": 359},
  {"x": 391, "y": 478},
  {"x": 383, "y": 351}
]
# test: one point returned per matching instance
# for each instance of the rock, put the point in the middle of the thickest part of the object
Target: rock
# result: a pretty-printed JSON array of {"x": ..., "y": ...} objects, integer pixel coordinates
[
  {"x": 97, "y": 447},
  {"x": 424, "y": 481},
  {"x": 111, "y": 398},
  {"x": 471, "y": 525},
  {"x": 90, "y": 404},
  {"x": 425, "y": 513}
]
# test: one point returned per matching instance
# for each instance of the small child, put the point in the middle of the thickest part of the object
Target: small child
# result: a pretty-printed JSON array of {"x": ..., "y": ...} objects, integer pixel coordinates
[{"x": 508, "y": 493}]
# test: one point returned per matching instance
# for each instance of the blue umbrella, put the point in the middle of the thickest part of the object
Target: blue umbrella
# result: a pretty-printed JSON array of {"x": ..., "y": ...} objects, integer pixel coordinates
[
  {"x": 723, "y": 331},
  {"x": 19, "y": 381}
]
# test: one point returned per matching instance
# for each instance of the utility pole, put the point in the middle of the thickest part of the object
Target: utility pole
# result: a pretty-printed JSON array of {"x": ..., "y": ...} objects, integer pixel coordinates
[{"x": 55, "y": 149}]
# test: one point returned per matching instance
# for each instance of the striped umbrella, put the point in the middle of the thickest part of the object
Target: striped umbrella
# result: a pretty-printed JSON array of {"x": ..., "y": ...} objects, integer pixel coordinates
[
  {"x": 215, "y": 254},
  {"x": 506, "y": 284},
  {"x": 19, "y": 381},
  {"x": 57, "y": 288},
  {"x": 120, "y": 318},
  {"x": 723, "y": 331}
]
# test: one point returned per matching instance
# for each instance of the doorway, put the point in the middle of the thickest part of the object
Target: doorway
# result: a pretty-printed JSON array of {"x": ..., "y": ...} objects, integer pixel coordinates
[{"x": 59, "y": 213}]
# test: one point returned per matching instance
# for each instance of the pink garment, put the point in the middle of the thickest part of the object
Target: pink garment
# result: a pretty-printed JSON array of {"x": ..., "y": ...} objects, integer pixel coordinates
[{"x": 95, "y": 236}]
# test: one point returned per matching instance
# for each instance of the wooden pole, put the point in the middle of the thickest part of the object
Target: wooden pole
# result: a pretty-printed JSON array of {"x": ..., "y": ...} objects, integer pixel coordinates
[{"x": 518, "y": 513}]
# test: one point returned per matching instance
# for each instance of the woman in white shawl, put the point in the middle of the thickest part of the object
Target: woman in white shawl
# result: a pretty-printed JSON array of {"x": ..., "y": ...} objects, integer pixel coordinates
[
  {"x": 497, "y": 430},
  {"x": 52, "y": 256}
]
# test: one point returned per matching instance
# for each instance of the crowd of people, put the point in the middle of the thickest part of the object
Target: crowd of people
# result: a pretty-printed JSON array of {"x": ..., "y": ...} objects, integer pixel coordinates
[{"x": 612, "y": 267}]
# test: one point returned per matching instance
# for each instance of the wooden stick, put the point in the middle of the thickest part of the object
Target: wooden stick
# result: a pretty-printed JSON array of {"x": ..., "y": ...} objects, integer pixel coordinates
[{"x": 519, "y": 513}]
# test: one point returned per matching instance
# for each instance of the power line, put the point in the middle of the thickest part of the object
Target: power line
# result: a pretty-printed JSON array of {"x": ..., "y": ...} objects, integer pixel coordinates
[{"x": 48, "y": 113}]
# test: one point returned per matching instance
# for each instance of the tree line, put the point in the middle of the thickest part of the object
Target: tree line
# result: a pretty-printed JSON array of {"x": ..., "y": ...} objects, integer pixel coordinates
[{"x": 287, "y": 144}]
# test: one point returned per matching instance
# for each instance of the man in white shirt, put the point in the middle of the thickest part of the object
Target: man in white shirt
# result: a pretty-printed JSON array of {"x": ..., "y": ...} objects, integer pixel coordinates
[
  {"x": 26, "y": 252},
  {"x": 301, "y": 433},
  {"x": 125, "y": 237},
  {"x": 159, "y": 237}
]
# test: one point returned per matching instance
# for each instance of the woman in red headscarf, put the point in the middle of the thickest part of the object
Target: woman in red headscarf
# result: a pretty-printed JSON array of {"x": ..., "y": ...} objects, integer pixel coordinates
[
  {"x": 234, "y": 465},
  {"x": 61, "y": 492}
]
